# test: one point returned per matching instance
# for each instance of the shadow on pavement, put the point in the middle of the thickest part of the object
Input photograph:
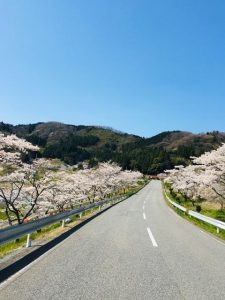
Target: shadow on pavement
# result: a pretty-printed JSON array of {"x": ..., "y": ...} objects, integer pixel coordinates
[{"x": 27, "y": 259}]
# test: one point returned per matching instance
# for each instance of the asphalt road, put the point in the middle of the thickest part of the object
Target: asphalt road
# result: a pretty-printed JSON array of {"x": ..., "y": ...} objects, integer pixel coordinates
[{"x": 139, "y": 249}]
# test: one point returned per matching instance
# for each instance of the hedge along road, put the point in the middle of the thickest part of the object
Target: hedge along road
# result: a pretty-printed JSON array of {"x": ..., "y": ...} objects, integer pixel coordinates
[{"x": 139, "y": 249}]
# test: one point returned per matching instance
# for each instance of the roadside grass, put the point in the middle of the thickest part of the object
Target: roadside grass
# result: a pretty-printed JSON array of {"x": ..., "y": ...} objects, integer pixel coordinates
[
  {"x": 216, "y": 214},
  {"x": 203, "y": 225},
  {"x": 19, "y": 243},
  {"x": 11, "y": 246},
  {"x": 205, "y": 210},
  {"x": 2, "y": 215},
  {"x": 44, "y": 234},
  {"x": 54, "y": 230}
]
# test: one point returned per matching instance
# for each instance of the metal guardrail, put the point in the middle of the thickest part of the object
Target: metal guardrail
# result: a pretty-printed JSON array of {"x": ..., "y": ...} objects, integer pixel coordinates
[
  {"x": 217, "y": 223},
  {"x": 175, "y": 204},
  {"x": 14, "y": 232}
]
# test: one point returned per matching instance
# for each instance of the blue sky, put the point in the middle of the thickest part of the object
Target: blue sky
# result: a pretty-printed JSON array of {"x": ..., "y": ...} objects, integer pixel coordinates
[{"x": 138, "y": 66}]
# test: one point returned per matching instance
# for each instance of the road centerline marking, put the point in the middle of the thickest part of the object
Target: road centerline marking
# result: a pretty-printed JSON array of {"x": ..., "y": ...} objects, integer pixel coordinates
[
  {"x": 144, "y": 216},
  {"x": 152, "y": 237}
]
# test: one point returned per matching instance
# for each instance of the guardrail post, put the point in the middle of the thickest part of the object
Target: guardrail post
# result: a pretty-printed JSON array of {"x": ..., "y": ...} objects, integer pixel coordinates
[
  {"x": 99, "y": 208},
  {"x": 28, "y": 244},
  {"x": 80, "y": 215},
  {"x": 63, "y": 223},
  {"x": 217, "y": 230}
]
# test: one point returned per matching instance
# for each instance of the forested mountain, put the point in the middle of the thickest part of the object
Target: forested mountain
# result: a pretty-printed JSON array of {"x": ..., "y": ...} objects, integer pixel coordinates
[{"x": 74, "y": 144}]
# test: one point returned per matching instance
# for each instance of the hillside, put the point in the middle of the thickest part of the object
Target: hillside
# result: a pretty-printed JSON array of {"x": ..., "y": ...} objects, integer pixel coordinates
[
  {"x": 51, "y": 132},
  {"x": 167, "y": 149},
  {"x": 74, "y": 144}
]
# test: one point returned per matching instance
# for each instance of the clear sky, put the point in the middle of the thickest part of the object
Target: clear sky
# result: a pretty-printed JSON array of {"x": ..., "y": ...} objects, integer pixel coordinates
[{"x": 139, "y": 66}]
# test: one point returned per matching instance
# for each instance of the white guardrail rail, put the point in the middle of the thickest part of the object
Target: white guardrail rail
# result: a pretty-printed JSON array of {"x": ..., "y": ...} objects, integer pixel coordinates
[
  {"x": 218, "y": 224},
  {"x": 14, "y": 232}
]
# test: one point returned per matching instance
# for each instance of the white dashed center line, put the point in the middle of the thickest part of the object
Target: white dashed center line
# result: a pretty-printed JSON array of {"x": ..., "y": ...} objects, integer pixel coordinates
[
  {"x": 152, "y": 237},
  {"x": 148, "y": 229}
]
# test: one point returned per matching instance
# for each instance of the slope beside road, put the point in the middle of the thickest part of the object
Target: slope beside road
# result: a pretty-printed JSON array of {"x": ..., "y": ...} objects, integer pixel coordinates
[{"x": 139, "y": 249}]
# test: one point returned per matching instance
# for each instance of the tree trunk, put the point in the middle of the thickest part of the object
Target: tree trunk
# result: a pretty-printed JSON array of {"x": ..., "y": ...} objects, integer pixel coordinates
[{"x": 8, "y": 217}]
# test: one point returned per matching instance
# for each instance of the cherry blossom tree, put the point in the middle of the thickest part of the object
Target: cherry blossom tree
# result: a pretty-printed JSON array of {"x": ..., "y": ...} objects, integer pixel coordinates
[
  {"x": 20, "y": 192},
  {"x": 9, "y": 158},
  {"x": 11, "y": 148},
  {"x": 205, "y": 179},
  {"x": 42, "y": 186},
  {"x": 13, "y": 142},
  {"x": 214, "y": 175},
  {"x": 89, "y": 185}
]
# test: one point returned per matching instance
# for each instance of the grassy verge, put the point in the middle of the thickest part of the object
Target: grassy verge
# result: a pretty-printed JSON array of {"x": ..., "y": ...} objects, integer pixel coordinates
[
  {"x": 216, "y": 214},
  {"x": 43, "y": 234},
  {"x": 203, "y": 225},
  {"x": 54, "y": 230}
]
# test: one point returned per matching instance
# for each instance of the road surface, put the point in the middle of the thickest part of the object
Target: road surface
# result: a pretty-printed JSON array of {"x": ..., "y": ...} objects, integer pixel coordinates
[{"x": 138, "y": 249}]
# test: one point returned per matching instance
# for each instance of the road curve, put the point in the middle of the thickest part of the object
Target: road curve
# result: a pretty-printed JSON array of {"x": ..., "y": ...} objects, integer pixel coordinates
[{"x": 139, "y": 249}]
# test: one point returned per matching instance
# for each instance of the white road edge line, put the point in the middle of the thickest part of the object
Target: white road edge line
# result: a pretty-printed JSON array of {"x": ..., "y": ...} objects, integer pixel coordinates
[
  {"x": 204, "y": 232},
  {"x": 152, "y": 237},
  {"x": 144, "y": 216},
  {"x": 208, "y": 234}
]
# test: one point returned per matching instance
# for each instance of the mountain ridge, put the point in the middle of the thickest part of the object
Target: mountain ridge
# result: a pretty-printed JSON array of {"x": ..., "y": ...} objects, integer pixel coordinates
[{"x": 76, "y": 143}]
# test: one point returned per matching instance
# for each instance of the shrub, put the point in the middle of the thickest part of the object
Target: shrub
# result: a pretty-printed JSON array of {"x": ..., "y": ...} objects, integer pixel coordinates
[{"x": 198, "y": 208}]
